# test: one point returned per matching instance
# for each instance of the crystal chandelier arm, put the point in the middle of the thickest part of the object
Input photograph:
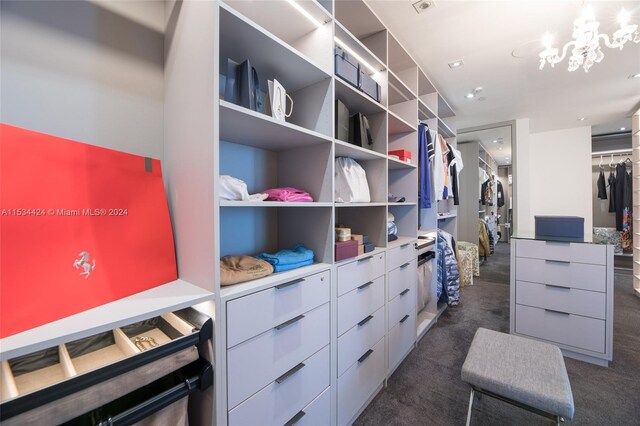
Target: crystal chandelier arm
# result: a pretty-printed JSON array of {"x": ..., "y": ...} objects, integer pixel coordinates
[
  {"x": 605, "y": 37},
  {"x": 564, "y": 50}
]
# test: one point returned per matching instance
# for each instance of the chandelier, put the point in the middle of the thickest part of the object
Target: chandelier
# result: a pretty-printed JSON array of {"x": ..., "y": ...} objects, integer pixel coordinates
[{"x": 585, "y": 46}]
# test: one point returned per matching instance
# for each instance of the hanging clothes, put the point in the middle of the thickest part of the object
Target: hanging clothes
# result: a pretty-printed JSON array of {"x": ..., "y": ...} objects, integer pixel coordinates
[
  {"x": 448, "y": 274},
  {"x": 626, "y": 239},
  {"x": 612, "y": 191},
  {"x": 446, "y": 191},
  {"x": 486, "y": 192},
  {"x": 456, "y": 165},
  {"x": 492, "y": 228},
  {"x": 431, "y": 138},
  {"x": 438, "y": 171},
  {"x": 483, "y": 239},
  {"x": 482, "y": 178},
  {"x": 424, "y": 168},
  {"x": 453, "y": 187},
  {"x": 602, "y": 187},
  {"x": 623, "y": 196},
  {"x": 500, "y": 194}
]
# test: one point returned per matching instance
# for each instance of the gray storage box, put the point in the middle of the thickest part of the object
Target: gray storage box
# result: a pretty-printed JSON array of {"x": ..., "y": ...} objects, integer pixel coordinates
[
  {"x": 342, "y": 121},
  {"x": 369, "y": 85},
  {"x": 345, "y": 67},
  {"x": 565, "y": 228}
]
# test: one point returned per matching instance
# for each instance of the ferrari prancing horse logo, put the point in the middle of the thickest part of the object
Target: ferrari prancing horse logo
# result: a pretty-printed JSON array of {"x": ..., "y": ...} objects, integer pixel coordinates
[{"x": 84, "y": 263}]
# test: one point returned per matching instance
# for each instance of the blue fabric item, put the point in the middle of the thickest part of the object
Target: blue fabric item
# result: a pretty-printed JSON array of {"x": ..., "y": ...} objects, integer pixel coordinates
[
  {"x": 424, "y": 166},
  {"x": 285, "y": 260}
]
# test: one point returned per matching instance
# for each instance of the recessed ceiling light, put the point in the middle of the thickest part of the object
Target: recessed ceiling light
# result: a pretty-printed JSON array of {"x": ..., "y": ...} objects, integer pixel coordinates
[
  {"x": 622, "y": 129},
  {"x": 469, "y": 95},
  {"x": 456, "y": 64},
  {"x": 581, "y": 119},
  {"x": 635, "y": 75}
]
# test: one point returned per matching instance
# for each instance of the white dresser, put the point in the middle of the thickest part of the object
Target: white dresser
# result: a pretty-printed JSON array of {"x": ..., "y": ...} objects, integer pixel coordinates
[{"x": 562, "y": 293}]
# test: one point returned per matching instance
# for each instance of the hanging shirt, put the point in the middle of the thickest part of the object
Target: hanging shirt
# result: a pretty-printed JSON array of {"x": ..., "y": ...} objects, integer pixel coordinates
[
  {"x": 431, "y": 137},
  {"x": 438, "y": 171},
  {"x": 456, "y": 167},
  {"x": 612, "y": 192},
  {"x": 445, "y": 164},
  {"x": 500, "y": 194},
  {"x": 424, "y": 192},
  {"x": 602, "y": 188}
]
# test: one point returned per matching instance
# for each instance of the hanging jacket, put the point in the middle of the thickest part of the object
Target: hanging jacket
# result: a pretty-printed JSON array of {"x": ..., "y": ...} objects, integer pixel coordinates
[
  {"x": 500, "y": 195},
  {"x": 612, "y": 192},
  {"x": 448, "y": 276},
  {"x": 602, "y": 187},
  {"x": 623, "y": 196},
  {"x": 424, "y": 191},
  {"x": 431, "y": 138},
  {"x": 483, "y": 237},
  {"x": 486, "y": 193},
  {"x": 438, "y": 171}
]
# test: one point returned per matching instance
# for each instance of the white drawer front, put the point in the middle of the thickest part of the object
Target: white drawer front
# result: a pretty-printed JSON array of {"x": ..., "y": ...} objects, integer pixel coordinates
[
  {"x": 358, "y": 383},
  {"x": 400, "y": 255},
  {"x": 358, "y": 303},
  {"x": 568, "y": 274},
  {"x": 402, "y": 278},
  {"x": 253, "y": 364},
  {"x": 563, "y": 299},
  {"x": 251, "y": 315},
  {"x": 280, "y": 401},
  {"x": 402, "y": 304},
  {"x": 570, "y": 252},
  {"x": 355, "y": 342},
  {"x": 401, "y": 338},
  {"x": 317, "y": 413},
  {"x": 354, "y": 274},
  {"x": 572, "y": 330}
]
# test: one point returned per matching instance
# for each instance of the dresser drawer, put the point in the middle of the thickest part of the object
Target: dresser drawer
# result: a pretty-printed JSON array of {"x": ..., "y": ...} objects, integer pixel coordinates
[
  {"x": 401, "y": 338},
  {"x": 317, "y": 413},
  {"x": 402, "y": 278},
  {"x": 566, "y": 329},
  {"x": 569, "y": 252},
  {"x": 356, "y": 341},
  {"x": 253, "y": 364},
  {"x": 563, "y": 299},
  {"x": 281, "y": 400},
  {"x": 402, "y": 304},
  {"x": 358, "y": 303},
  {"x": 251, "y": 315},
  {"x": 354, "y": 274},
  {"x": 568, "y": 274},
  {"x": 358, "y": 383},
  {"x": 400, "y": 255}
]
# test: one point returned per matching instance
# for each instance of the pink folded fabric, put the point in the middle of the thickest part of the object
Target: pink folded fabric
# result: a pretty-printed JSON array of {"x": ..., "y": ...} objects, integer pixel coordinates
[{"x": 288, "y": 194}]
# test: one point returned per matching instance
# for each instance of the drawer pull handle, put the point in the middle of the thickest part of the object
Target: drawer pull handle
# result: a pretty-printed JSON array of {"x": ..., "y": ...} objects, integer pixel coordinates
[
  {"x": 288, "y": 323},
  {"x": 405, "y": 265},
  {"x": 404, "y": 245},
  {"x": 365, "y": 356},
  {"x": 365, "y": 285},
  {"x": 366, "y": 320},
  {"x": 565, "y": 262},
  {"x": 557, "y": 286},
  {"x": 289, "y": 284},
  {"x": 290, "y": 373},
  {"x": 364, "y": 259},
  {"x": 405, "y": 291},
  {"x": 404, "y": 318},
  {"x": 295, "y": 419},
  {"x": 557, "y": 312}
]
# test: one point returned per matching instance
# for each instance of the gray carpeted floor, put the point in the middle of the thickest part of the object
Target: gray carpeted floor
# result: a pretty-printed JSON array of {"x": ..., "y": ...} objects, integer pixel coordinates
[{"x": 426, "y": 389}]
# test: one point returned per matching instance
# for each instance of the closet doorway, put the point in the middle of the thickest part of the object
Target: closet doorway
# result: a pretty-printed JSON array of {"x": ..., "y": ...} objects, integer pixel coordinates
[{"x": 486, "y": 211}]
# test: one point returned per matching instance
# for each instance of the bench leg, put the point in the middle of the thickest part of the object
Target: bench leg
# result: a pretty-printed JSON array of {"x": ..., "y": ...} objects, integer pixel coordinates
[{"x": 470, "y": 407}]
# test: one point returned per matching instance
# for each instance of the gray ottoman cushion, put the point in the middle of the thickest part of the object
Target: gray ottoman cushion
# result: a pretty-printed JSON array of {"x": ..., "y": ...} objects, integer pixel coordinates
[{"x": 524, "y": 370}]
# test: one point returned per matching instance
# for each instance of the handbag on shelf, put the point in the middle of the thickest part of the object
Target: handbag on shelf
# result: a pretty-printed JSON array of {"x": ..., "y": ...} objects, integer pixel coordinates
[
  {"x": 360, "y": 131},
  {"x": 81, "y": 226},
  {"x": 242, "y": 86}
]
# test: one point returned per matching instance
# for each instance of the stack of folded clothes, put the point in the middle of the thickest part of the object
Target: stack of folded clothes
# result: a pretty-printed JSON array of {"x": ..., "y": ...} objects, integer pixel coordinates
[{"x": 285, "y": 260}]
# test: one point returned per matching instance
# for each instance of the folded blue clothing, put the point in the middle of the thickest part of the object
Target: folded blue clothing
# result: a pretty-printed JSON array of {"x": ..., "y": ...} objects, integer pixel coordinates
[
  {"x": 290, "y": 266},
  {"x": 298, "y": 256}
]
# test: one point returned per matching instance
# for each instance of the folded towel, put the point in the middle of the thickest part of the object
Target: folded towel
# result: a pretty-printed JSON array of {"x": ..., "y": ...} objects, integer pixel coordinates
[
  {"x": 282, "y": 268},
  {"x": 288, "y": 194},
  {"x": 237, "y": 269},
  {"x": 284, "y": 259}
]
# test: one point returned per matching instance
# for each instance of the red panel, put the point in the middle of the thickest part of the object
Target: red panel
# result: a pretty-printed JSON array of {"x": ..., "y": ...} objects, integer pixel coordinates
[{"x": 60, "y": 199}]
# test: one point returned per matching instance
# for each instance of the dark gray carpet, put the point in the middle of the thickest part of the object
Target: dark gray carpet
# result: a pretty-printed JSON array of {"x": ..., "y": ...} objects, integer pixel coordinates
[{"x": 426, "y": 389}]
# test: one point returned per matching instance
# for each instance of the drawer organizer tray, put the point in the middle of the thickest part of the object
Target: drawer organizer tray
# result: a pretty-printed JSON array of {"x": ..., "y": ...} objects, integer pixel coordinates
[{"x": 40, "y": 378}]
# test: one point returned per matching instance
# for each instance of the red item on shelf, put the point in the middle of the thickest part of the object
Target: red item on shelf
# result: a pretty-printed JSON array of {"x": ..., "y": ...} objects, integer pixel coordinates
[
  {"x": 81, "y": 226},
  {"x": 403, "y": 154},
  {"x": 346, "y": 249}
]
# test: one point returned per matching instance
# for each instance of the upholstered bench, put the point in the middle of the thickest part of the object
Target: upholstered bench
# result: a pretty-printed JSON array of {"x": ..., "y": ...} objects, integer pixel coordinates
[{"x": 523, "y": 372}]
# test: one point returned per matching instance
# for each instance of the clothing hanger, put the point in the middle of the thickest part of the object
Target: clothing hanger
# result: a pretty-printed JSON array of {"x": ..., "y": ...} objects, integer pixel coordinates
[
  {"x": 611, "y": 163},
  {"x": 600, "y": 165}
]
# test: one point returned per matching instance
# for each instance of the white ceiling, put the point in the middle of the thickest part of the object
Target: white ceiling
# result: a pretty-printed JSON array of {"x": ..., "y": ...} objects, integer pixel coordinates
[
  {"x": 500, "y": 150},
  {"x": 484, "y": 34}
]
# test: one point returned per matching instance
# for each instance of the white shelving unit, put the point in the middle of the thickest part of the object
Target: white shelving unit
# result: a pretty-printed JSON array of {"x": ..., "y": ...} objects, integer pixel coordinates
[{"x": 206, "y": 136}]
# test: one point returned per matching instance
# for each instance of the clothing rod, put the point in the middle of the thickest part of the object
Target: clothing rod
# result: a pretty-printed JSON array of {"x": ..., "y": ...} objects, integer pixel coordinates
[{"x": 613, "y": 151}]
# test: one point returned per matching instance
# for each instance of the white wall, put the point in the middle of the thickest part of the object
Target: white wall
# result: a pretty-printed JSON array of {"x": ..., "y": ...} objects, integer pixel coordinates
[
  {"x": 521, "y": 178},
  {"x": 558, "y": 178}
]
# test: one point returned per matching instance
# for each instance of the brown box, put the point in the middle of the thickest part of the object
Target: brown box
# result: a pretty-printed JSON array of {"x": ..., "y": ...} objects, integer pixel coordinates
[
  {"x": 343, "y": 234},
  {"x": 346, "y": 249},
  {"x": 360, "y": 249},
  {"x": 358, "y": 237}
]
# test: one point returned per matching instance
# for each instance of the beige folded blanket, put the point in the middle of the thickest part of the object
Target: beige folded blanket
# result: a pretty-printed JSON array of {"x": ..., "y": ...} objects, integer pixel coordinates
[{"x": 238, "y": 269}]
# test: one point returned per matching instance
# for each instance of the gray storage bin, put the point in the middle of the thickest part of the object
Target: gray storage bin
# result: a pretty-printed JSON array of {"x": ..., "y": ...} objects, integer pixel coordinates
[
  {"x": 564, "y": 228},
  {"x": 369, "y": 85},
  {"x": 345, "y": 67}
]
